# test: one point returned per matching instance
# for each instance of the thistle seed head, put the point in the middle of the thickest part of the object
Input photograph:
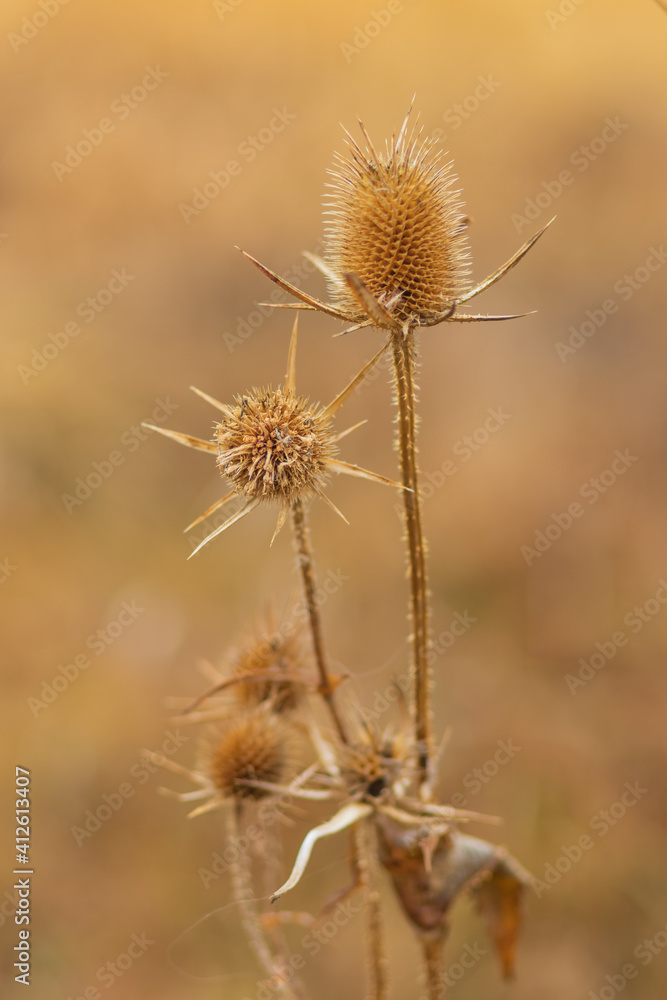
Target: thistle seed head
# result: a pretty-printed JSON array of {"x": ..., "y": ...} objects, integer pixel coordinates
[
  {"x": 262, "y": 659},
  {"x": 274, "y": 445},
  {"x": 370, "y": 768},
  {"x": 395, "y": 222},
  {"x": 247, "y": 747}
]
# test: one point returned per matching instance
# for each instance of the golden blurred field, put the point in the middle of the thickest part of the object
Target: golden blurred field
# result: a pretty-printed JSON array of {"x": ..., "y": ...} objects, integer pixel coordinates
[{"x": 521, "y": 94}]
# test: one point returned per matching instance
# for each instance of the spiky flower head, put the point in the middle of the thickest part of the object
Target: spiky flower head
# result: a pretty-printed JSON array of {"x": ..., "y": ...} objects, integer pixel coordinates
[
  {"x": 396, "y": 249},
  {"x": 247, "y": 748},
  {"x": 275, "y": 445},
  {"x": 270, "y": 665},
  {"x": 369, "y": 767},
  {"x": 396, "y": 222}
]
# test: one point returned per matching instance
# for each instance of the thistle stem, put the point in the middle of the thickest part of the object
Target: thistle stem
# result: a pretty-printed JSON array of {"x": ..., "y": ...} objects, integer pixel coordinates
[
  {"x": 273, "y": 965},
  {"x": 364, "y": 860},
  {"x": 404, "y": 370},
  {"x": 305, "y": 557},
  {"x": 436, "y": 988}
]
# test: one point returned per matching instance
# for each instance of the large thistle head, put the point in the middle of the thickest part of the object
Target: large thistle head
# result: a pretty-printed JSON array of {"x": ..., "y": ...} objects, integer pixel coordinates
[
  {"x": 396, "y": 249},
  {"x": 395, "y": 221}
]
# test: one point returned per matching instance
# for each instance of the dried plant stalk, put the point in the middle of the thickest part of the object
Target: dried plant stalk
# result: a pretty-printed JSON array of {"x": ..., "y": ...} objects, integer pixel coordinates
[
  {"x": 404, "y": 372},
  {"x": 364, "y": 869},
  {"x": 396, "y": 258},
  {"x": 305, "y": 557},
  {"x": 286, "y": 987},
  {"x": 436, "y": 987}
]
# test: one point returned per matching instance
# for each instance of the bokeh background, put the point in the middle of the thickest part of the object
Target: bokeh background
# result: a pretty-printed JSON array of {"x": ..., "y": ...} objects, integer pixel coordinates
[{"x": 533, "y": 84}]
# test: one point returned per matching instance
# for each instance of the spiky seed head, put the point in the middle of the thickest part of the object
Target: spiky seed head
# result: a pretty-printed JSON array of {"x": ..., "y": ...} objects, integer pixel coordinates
[
  {"x": 369, "y": 769},
  {"x": 395, "y": 222},
  {"x": 274, "y": 445},
  {"x": 267, "y": 654},
  {"x": 251, "y": 746}
]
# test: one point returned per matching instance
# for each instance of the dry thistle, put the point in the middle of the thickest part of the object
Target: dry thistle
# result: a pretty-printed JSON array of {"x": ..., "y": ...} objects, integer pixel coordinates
[
  {"x": 396, "y": 253},
  {"x": 396, "y": 224},
  {"x": 395, "y": 219},
  {"x": 242, "y": 756},
  {"x": 396, "y": 258},
  {"x": 268, "y": 667},
  {"x": 246, "y": 752},
  {"x": 275, "y": 445},
  {"x": 272, "y": 667}
]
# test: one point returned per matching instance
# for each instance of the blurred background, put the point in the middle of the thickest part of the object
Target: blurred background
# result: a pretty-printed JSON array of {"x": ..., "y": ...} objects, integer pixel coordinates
[{"x": 141, "y": 142}]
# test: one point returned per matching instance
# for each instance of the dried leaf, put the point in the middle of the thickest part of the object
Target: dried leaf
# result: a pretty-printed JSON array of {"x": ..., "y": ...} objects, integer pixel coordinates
[
  {"x": 498, "y": 898},
  {"x": 429, "y": 878}
]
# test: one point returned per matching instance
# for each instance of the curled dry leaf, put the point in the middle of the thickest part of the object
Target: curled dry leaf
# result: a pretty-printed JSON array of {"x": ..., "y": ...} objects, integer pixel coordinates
[{"x": 428, "y": 877}]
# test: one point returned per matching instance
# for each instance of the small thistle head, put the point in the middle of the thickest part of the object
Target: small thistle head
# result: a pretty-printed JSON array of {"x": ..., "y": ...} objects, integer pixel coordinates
[
  {"x": 260, "y": 663},
  {"x": 395, "y": 223},
  {"x": 274, "y": 445},
  {"x": 370, "y": 767},
  {"x": 250, "y": 747}
]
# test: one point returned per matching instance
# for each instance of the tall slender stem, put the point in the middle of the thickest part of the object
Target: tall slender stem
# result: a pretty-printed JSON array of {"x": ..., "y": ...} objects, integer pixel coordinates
[
  {"x": 404, "y": 371},
  {"x": 365, "y": 872},
  {"x": 305, "y": 557},
  {"x": 274, "y": 965}
]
